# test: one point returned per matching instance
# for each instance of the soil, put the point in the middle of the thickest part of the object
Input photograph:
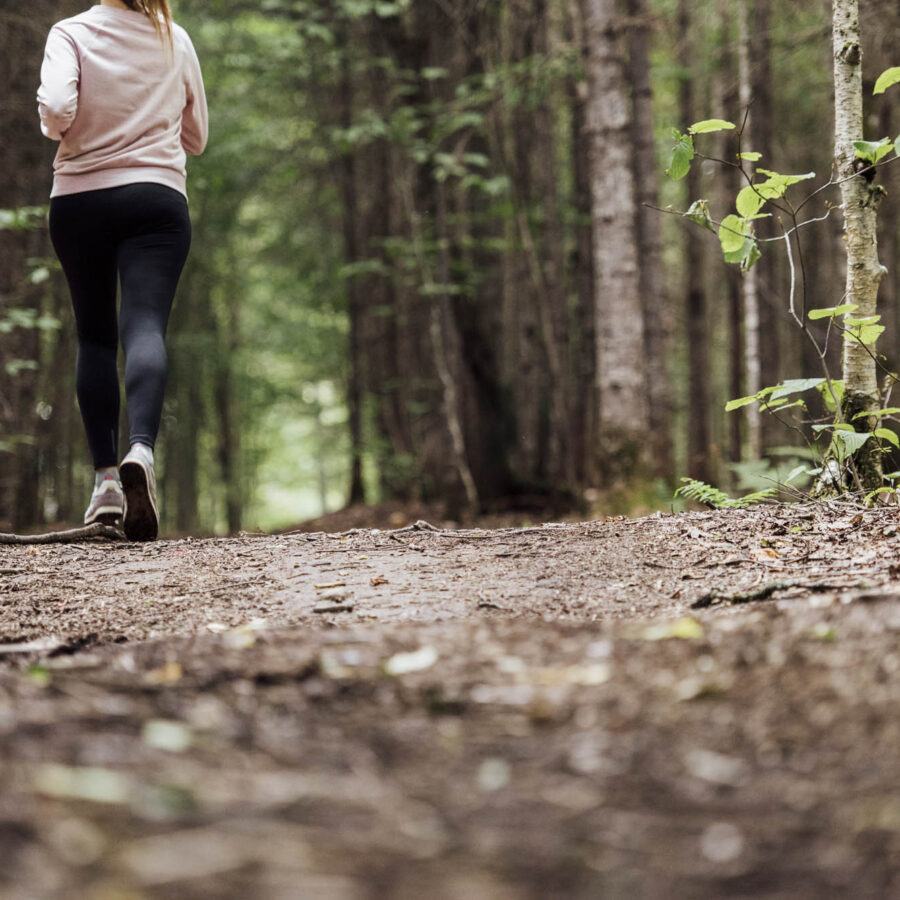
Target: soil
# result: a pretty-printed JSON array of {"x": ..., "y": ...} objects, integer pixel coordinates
[{"x": 698, "y": 705}]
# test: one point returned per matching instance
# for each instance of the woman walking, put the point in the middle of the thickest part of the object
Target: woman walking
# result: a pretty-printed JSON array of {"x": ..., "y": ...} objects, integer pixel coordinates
[{"x": 122, "y": 92}]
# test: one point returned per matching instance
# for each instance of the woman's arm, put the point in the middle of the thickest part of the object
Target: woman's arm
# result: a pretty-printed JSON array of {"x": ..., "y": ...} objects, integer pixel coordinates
[
  {"x": 195, "y": 118},
  {"x": 58, "y": 94}
]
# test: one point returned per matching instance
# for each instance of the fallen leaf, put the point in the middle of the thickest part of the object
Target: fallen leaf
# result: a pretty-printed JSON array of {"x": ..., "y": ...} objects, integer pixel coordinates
[
  {"x": 82, "y": 783},
  {"x": 416, "y": 661},
  {"x": 165, "y": 734},
  {"x": 167, "y": 674},
  {"x": 686, "y": 628}
]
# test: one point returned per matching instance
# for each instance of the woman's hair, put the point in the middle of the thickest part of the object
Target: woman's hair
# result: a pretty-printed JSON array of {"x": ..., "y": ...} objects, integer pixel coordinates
[{"x": 158, "y": 12}]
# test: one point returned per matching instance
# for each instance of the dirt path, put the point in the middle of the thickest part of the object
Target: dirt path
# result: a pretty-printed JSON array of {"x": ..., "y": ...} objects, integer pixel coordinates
[{"x": 702, "y": 705}]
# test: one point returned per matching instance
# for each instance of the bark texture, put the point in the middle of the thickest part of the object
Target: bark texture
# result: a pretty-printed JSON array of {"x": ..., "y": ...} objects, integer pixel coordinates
[
  {"x": 698, "y": 456},
  {"x": 623, "y": 416},
  {"x": 860, "y": 201},
  {"x": 658, "y": 324},
  {"x": 750, "y": 283}
]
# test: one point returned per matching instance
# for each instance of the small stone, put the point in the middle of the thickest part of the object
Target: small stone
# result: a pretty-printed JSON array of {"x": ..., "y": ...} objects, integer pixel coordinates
[
  {"x": 715, "y": 768},
  {"x": 335, "y": 601},
  {"x": 493, "y": 774},
  {"x": 722, "y": 842}
]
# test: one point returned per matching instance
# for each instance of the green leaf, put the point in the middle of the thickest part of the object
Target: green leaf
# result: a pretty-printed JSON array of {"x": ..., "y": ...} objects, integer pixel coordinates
[
  {"x": 686, "y": 629},
  {"x": 886, "y": 79},
  {"x": 732, "y": 405},
  {"x": 746, "y": 256},
  {"x": 873, "y": 151},
  {"x": 886, "y": 434},
  {"x": 846, "y": 443},
  {"x": 887, "y": 411},
  {"x": 698, "y": 212},
  {"x": 749, "y": 201},
  {"x": 776, "y": 184},
  {"x": 682, "y": 154},
  {"x": 746, "y": 401},
  {"x": 781, "y": 404},
  {"x": 830, "y": 312},
  {"x": 787, "y": 179},
  {"x": 710, "y": 125},
  {"x": 796, "y": 472},
  {"x": 732, "y": 234},
  {"x": 795, "y": 386},
  {"x": 751, "y": 156},
  {"x": 864, "y": 331}
]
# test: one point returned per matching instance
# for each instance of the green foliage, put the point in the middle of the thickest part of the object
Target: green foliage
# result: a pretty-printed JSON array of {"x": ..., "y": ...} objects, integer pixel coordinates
[
  {"x": 832, "y": 393},
  {"x": 887, "y": 434},
  {"x": 682, "y": 155},
  {"x": 27, "y": 318},
  {"x": 776, "y": 395},
  {"x": 886, "y": 79},
  {"x": 26, "y": 218},
  {"x": 832, "y": 312},
  {"x": 873, "y": 152},
  {"x": 733, "y": 234},
  {"x": 698, "y": 212},
  {"x": 865, "y": 331},
  {"x": 704, "y": 493},
  {"x": 709, "y": 125}
]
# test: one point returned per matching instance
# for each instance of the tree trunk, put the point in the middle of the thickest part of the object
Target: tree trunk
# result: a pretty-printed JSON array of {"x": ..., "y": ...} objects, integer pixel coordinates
[
  {"x": 860, "y": 202},
  {"x": 586, "y": 404},
  {"x": 698, "y": 464},
  {"x": 750, "y": 284},
  {"x": 658, "y": 324},
  {"x": 623, "y": 419},
  {"x": 352, "y": 253}
]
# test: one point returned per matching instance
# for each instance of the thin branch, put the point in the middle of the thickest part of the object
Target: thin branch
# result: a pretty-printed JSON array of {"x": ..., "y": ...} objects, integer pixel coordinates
[{"x": 87, "y": 532}]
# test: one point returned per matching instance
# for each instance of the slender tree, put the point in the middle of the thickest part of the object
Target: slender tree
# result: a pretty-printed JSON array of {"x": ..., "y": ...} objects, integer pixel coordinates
[
  {"x": 623, "y": 419},
  {"x": 860, "y": 198},
  {"x": 657, "y": 310},
  {"x": 694, "y": 290},
  {"x": 750, "y": 283}
]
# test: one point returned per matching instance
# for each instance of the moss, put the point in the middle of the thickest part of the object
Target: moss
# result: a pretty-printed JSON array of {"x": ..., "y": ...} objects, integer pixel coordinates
[{"x": 867, "y": 460}]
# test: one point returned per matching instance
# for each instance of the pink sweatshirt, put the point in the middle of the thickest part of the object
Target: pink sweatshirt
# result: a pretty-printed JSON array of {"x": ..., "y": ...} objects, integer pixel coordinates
[{"x": 123, "y": 106}]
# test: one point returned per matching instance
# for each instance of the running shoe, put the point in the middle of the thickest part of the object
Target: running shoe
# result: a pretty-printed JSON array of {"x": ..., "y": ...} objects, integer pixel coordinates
[
  {"x": 141, "y": 522},
  {"x": 107, "y": 503}
]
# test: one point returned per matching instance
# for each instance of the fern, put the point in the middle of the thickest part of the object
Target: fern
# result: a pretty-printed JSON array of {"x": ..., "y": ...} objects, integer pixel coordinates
[{"x": 713, "y": 497}]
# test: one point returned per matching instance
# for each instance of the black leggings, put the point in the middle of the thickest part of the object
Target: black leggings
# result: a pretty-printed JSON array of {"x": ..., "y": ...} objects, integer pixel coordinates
[{"x": 142, "y": 233}]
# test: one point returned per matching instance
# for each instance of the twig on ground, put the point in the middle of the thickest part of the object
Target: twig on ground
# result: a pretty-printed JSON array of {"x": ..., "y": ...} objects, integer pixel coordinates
[{"x": 73, "y": 535}]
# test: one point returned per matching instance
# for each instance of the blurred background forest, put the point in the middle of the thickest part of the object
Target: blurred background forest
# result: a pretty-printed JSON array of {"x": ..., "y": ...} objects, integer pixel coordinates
[{"x": 423, "y": 268}]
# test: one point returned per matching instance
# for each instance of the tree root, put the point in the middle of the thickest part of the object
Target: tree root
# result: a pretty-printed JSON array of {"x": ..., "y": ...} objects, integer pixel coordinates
[
  {"x": 73, "y": 535},
  {"x": 712, "y": 598}
]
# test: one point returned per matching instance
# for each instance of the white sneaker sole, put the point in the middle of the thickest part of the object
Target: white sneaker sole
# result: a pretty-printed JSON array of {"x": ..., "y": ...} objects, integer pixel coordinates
[
  {"x": 141, "y": 521},
  {"x": 106, "y": 515}
]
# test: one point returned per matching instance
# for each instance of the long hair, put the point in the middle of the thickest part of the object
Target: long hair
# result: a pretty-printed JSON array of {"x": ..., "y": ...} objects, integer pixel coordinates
[{"x": 158, "y": 12}]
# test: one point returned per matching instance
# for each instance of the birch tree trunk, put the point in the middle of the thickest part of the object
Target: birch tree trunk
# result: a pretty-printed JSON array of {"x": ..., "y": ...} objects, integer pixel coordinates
[
  {"x": 623, "y": 418},
  {"x": 860, "y": 201},
  {"x": 750, "y": 283},
  {"x": 658, "y": 324}
]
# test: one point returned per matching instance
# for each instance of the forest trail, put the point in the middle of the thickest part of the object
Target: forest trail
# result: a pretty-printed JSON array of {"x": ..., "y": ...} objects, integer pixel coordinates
[{"x": 692, "y": 705}]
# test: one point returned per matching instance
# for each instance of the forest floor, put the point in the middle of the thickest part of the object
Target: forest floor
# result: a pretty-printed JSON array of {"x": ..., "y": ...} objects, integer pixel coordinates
[{"x": 698, "y": 705}]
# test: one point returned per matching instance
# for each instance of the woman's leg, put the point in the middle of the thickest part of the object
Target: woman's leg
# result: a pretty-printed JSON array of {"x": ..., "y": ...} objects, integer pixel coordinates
[
  {"x": 150, "y": 260},
  {"x": 88, "y": 258}
]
